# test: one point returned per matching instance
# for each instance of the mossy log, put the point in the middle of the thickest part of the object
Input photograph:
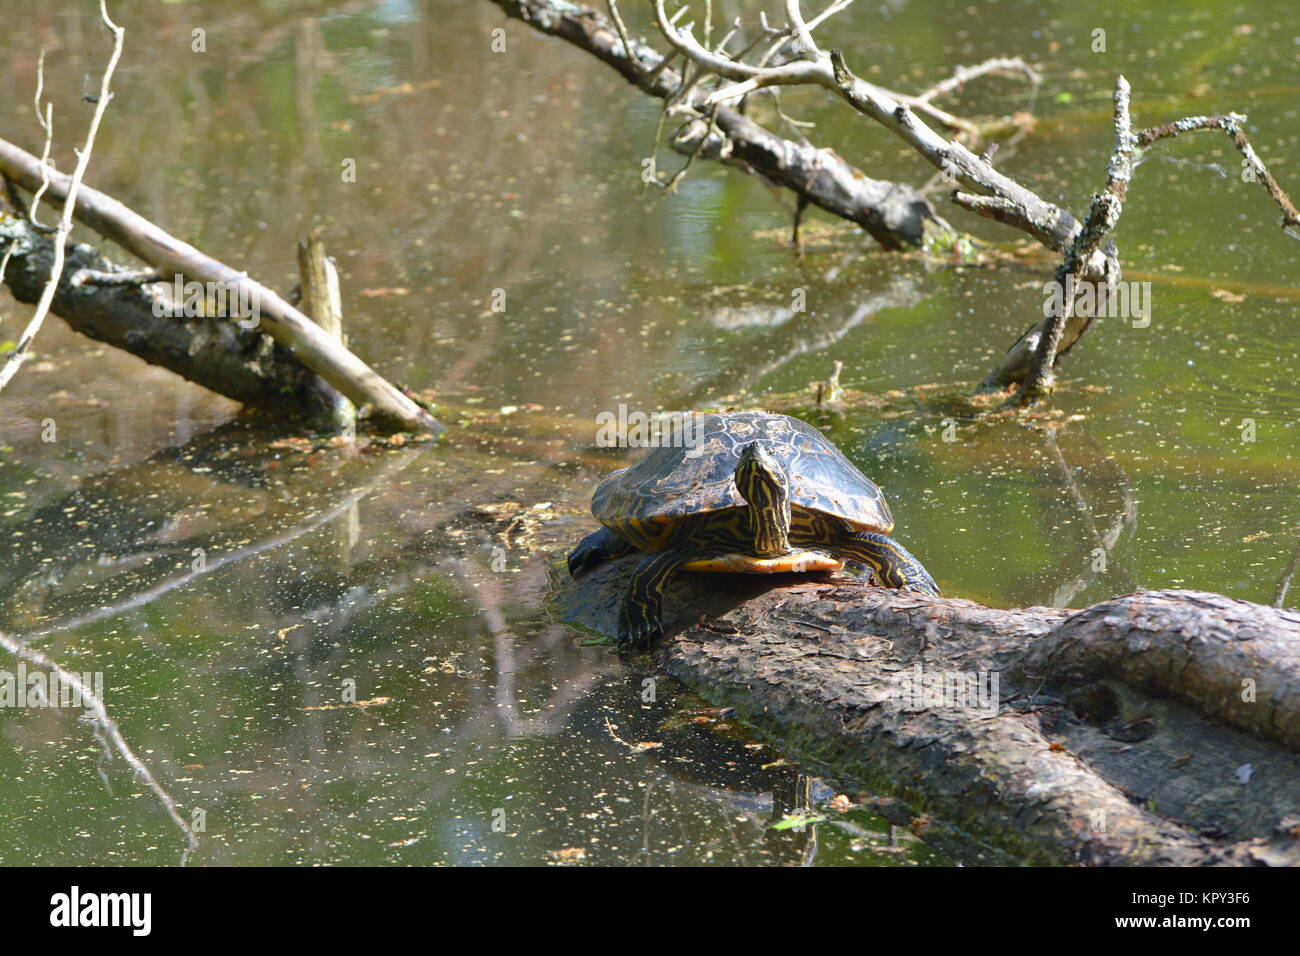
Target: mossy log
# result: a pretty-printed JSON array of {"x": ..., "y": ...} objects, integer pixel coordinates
[{"x": 1159, "y": 728}]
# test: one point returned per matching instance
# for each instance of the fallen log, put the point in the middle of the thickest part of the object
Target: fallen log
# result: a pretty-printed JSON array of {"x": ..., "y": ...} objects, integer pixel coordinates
[
  {"x": 240, "y": 363},
  {"x": 310, "y": 345},
  {"x": 1158, "y": 728}
]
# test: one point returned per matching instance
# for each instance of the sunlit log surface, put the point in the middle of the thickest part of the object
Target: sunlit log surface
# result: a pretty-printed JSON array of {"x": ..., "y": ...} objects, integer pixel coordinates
[{"x": 1158, "y": 728}]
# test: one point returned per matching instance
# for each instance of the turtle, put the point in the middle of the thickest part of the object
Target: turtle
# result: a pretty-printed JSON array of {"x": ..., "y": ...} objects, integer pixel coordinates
[{"x": 749, "y": 492}]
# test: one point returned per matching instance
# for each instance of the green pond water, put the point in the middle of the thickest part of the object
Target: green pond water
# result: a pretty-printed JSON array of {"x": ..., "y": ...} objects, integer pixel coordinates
[{"x": 230, "y": 587}]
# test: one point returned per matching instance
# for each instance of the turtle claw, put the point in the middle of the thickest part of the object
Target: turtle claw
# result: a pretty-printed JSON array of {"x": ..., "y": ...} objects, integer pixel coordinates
[
  {"x": 637, "y": 628},
  {"x": 582, "y": 560},
  {"x": 595, "y": 549}
]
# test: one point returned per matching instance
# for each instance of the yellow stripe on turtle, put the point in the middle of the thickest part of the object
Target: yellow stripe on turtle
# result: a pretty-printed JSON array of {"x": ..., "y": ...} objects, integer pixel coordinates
[
  {"x": 649, "y": 534},
  {"x": 796, "y": 562}
]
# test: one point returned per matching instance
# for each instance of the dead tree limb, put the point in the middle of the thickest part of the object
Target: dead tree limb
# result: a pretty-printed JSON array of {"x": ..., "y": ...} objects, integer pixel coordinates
[
  {"x": 1036, "y": 352},
  {"x": 1102, "y": 217},
  {"x": 1044, "y": 221},
  {"x": 989, "y": 192},
  {"x": 1118, "y": 735},
  {"x": 1004, "y": 65},
  {"x": 895, "y": 215},
  {"x": 240, "y": 363},
  {"x": 234, "y": 361}
]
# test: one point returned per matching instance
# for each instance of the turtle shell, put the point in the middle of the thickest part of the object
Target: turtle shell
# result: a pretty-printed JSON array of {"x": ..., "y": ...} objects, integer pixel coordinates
[{"x": 643, "y": 502}]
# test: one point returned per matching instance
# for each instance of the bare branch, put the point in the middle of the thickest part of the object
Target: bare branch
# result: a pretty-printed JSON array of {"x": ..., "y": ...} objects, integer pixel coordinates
[
  {"x": 1002, "y": 65},
  {"x": 1051, "y": 225},
  {"x": 622, "y": 33},
  {"x": 313, "y": 348},
  {"x": 830, "y": 11},
  {"x": 683, "y": 40},
  {"x": 895, "y": 215},
  {"x": 1015, "y": 364},
  {"x": 1232, "y": 124},
  {"x": 46, "y": 120},
  {"x": 802, "y": 32}
]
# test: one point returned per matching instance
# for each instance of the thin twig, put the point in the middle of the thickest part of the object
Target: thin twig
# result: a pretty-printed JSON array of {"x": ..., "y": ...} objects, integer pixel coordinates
[
  {"x": 671, "y": 185},
  {"x": 963, "y": 74},
  {"x": 1232, "y": 124},
  {"x": 622, "y": 35},
  {"x": 4, "y": 263},
  {"x": 46, "y": 122}
]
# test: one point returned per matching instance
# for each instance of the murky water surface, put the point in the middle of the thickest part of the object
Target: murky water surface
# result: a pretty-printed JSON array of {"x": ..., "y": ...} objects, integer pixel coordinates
[{"x": 344, "y": 657}]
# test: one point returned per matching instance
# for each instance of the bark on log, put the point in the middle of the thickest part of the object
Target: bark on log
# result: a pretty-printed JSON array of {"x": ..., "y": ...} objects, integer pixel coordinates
[{"x": 1120, "y": 736}]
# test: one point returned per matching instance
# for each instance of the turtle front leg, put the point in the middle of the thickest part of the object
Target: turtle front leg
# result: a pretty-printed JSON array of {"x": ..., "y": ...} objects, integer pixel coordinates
[
  {"x": 892, "y": 563},
  {"x": 596, "y": 548},
  {"x": 640, "y": 619}
]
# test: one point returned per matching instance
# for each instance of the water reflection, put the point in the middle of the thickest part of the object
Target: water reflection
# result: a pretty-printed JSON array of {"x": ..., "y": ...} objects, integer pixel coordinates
[{"x": 341, "y": 672}]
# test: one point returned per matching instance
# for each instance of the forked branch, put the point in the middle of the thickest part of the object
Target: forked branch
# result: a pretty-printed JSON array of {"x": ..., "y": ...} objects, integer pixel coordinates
[{"x": 1102, "y": 217}]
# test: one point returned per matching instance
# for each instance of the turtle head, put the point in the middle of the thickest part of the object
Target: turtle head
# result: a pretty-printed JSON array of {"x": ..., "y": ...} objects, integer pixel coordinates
[{"x": 765, "y": 484}]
